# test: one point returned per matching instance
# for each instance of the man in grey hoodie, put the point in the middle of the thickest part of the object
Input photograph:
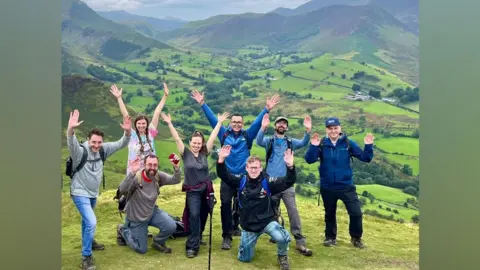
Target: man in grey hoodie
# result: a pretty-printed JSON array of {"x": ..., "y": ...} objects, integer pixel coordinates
[
  {"x": 143, "y": 188},
  {"x": 85, "y": 182}
]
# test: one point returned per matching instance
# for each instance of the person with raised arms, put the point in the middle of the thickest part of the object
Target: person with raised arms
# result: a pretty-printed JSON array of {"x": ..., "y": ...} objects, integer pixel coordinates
[
  {"x": 241, "y": 141},
  {"x": 197, "y": 183}
]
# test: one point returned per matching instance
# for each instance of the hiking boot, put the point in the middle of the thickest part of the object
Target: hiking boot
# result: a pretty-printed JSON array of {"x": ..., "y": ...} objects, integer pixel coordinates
[
  {"x": 120, "y": 240},
  {"x": 237, "y": 232},
  {"x": 97, "y": 246},
  {"x": 227, "y": 243},
  {"x": 272, "y": 241},
  {"x": 87, "y": 263},
  {"x": 162, "y": 248},
  {"x": 329, "y": 242},
  {"x": 304, "y": 250},
  {"x": 191, "y": 253},
  {"x": 149, "y": 234},
  {"x": 283, "y": 261},
  {"x": 357, "y": 242},
  {"x": 202, "y": 242}
]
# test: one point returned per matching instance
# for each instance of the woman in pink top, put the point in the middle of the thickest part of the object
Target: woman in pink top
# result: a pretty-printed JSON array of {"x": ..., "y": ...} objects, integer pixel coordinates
[{"x": 143, "y": 133}]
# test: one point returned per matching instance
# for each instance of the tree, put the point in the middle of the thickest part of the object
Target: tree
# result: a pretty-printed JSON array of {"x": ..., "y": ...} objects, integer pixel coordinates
[
  {"x": 407, "y": 169},
  {"x": 356, "y": 87},
  {"x": 411, "y": 190},
  {"x": 375, "y": 93},
  {"x": 416, "y": 219}
]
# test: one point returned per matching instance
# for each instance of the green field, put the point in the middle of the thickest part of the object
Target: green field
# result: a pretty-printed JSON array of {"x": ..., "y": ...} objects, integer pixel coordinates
[{"x": 389, "y": 194}]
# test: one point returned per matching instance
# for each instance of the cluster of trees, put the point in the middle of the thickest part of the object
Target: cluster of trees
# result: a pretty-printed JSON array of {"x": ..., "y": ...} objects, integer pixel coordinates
[
  {"x": 406, "y": 95},
  {"x": 102, "y": 74}
]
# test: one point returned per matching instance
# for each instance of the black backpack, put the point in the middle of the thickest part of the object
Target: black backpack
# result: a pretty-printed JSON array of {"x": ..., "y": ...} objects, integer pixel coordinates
[
  {"x": 180, "y": 231},
  {"x": 270, "y": 148},
  {"x": 244, "y": 133},
  {"x": 69, "y": 171}
]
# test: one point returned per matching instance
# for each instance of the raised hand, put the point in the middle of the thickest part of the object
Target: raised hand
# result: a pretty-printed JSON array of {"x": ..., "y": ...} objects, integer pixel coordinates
[
  {"x": 224, "y": 152},
  {"x": 165, "y": 89},
  {"x": 369, "y": 138},
  {"x": 307, "y": 123},
  {"x": 288, "y": 157},
  {"x": 127, "y": 123},
  {"x": 115, "y": 91},
  {"x": 271, "y": 102},
  {"x": 223, "y": 117},
  {"x": 135, "y": 165},
  {"x": 73, "y": 121},
  {"x": 174, "y": 159},
  {"x": 265, "y": 121},
  {"x": 166, "y": 118},
  {"x": 315, "y": 140},
  {"x": 199, "y": 98}
]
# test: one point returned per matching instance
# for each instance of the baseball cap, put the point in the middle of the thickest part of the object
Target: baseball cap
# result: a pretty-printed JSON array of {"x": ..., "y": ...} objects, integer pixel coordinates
[
  {"x": 281, "y": 118},
  {"x": 332, "y": 121}
]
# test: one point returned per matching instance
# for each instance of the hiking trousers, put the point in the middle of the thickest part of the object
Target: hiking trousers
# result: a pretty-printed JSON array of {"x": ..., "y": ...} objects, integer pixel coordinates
[
  {"x": 136, "y": 233},
  {"x": 288, "y": 197},
  {"x": 248, "y": 240},
  {"x": 349, "y": 197},
  {"x": 197, "y": 217},
  {"x": 229, "y": 220},
  {"x": 85, "y": 207}
]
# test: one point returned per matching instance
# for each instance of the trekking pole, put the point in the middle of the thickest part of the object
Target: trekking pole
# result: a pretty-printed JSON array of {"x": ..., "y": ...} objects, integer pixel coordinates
[
  {"x": 211, "y": 201},
  {"x": 103, "y": 180}
]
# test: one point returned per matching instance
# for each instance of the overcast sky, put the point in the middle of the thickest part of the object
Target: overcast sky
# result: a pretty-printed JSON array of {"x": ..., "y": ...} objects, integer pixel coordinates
[{"x": 191, "y": 9}]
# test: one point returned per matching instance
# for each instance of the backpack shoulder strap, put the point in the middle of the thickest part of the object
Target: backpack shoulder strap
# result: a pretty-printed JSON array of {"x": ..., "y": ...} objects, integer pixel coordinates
[
  {"x": 349, "y": 148},
  {"x": 83, "y": 160},
  {"x": 245, "y": 135},
  {"x": 103, "y": 155},
  {"x": 243, "y": 182},
  {"x": 265, "y": 186},
  {"x": 289, "y": 142},
  {"x": 225, "y": 134}
]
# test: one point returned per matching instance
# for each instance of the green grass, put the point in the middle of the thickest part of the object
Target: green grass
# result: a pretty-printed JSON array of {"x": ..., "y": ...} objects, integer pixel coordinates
[
  {"x": 384, "y": 193},
  {"x": 411, "y": 161},
  {"x": 407, "y": 146},
  {"x": 389, "y": 244}
]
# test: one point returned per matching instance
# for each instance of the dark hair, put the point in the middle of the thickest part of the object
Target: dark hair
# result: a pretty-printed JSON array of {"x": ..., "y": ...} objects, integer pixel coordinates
[
  {"x": 197, "y": 133},
  {"x": 236, "y": 114},
  {"x": 149, "y": 156},
  {"x": 95, "y": 131},
  {"x": 138, "y": 118}
]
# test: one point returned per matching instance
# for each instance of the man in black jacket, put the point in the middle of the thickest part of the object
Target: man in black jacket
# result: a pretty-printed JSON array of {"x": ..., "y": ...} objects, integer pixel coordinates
[{"x": 257, "y": 214}]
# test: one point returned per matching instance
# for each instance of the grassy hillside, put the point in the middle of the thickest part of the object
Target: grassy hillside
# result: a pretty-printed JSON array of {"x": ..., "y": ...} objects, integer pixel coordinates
[{"x": 389, "y": 244}]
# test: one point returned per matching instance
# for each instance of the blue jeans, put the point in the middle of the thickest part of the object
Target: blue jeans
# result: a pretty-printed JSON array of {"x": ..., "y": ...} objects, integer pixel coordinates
[
  {"x": 85, "y": 207},
  {"x": 248, "y": 240},
  {"x": 135, "y": 233}
]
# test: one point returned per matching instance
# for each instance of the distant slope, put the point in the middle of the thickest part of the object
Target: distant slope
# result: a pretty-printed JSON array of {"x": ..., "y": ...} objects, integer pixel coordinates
[
  {"x": 315, "y": 5},
  {"x": 145, "y": 25},
  {"x": 375, "y": 34},
  {"x": 84, "y": 31},
  {"x": 406, "y": 11}
]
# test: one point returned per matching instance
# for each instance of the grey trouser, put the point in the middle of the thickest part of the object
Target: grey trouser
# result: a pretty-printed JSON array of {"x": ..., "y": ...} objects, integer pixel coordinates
[
  {"x": 135, "y": 233},
  {"x": 288, "y": 197}
]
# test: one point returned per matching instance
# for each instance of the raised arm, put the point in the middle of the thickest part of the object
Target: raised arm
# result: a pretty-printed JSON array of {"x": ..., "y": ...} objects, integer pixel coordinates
[
  {"x": 261, "y": 140},
  {"x": 212, "y": 119},
  {"x": 252, "y": 131},
  {"x": 72, "y": 142},
  {"x": 367, "y": 154},
  {"x": 180, "y": 146},
  {"x": 158, "y": 109},
  {"x": 313, "y": 151},
  {"x": 167, "y": 179},
  {"x": 129, "y": 182},
  {"x": 279, "y": 184},
  {"x": 222, "y": 171},
  {"x": 112, "y": 147},
  {"x": 215, "y": 131},
  {"x": 118, "y": 94}
]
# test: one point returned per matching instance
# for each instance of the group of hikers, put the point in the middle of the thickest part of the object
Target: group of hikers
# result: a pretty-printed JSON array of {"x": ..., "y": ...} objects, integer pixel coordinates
[{"x": 250, "y": 195}]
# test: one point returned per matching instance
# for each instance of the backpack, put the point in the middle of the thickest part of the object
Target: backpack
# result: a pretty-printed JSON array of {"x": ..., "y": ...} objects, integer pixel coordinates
[
  {"x": 122, "y": 197},
  {"x": 270, "y": 148},
  {"x": 69, "y": 171},
  {"x": 244, "y": 133},
  {"x": 180, "y": 231}
]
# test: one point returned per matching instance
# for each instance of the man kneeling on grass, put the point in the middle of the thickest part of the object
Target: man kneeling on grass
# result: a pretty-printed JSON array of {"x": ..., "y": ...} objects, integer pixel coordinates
[
  {"x": 142, "y": 188},
  {"x": 257, "y": 211}
]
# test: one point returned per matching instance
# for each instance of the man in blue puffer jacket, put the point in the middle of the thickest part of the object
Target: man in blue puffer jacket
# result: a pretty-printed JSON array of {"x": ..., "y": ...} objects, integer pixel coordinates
[
  {"x": 241, "y": 141},
  {"x": 336, "y": 177}
]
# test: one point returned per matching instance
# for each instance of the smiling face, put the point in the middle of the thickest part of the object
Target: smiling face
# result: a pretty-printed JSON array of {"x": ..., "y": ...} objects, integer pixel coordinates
[
  {"x": 141, "y": 124},
  {"x": 333, "y": 132},
  {"x": 281, "y": 127},
  {"x": 151, "y": 166},
  {"x": 236, "y": 123},
  {"x": 196, "y": 142},
  {"x": 254, "y": 167},
  {"x": 95, "y": 140}
]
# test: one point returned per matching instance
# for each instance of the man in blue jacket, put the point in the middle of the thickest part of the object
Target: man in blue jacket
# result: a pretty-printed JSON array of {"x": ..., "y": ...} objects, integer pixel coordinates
[
  {"x": 241, "y": 141},
  {"x": 336, "y": 178},
  {"x": 275, "y": 146}
]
